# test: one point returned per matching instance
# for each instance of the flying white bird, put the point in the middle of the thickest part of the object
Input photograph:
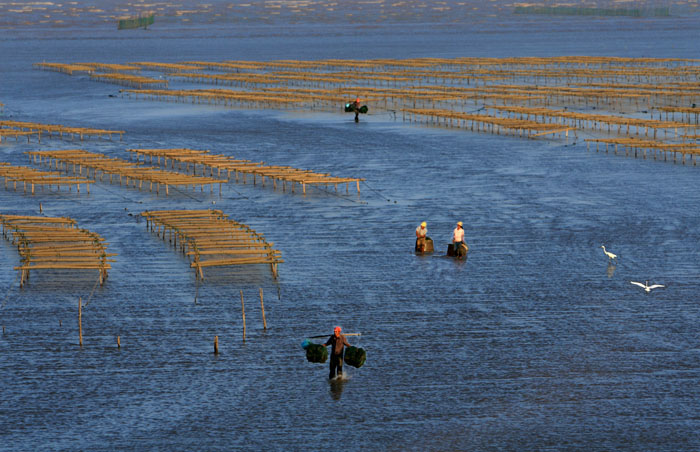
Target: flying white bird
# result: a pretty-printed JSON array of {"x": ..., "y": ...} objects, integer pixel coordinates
[
  {"x": 610, "y": 255},
  {"x": 647, "y": 288}
]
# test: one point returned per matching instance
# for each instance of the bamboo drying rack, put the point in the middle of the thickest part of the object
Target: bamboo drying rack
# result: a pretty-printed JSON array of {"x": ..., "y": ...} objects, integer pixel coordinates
[
  {"x": 34, "y": 177},
  {"x": 283, "y": 174},
  {"x": 526, "y": 96},
  {"x": 55, "y": 243},
  {"x": 210, "y": 239},
  {"x": 56, "y": 128},
  {"x": 130, "y": 172}
]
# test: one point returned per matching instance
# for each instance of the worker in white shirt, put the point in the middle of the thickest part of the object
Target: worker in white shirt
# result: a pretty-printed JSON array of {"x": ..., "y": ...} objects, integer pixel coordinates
[
  {"x": 421, "y": 234},
  {"x": 458, "y": 237}
]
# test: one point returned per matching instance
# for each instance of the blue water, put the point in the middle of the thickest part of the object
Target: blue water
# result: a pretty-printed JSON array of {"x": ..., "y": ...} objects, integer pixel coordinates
[{"x": 533, "y": 343}]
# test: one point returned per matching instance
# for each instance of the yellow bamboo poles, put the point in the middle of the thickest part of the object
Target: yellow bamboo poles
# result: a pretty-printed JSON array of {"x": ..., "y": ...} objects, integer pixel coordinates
[
  {"x": 598, "y": 121},
  {"x": 136, "y": 81},
  {"x": 283, "y": 174},
  {"x": 551, "y": 95},
  {"x": 486, "y": 123},
  {"x": 34, "y": 177},
  {"x": 167, "y": 67},
  {"x": 210, "y": 239},
  {"x": 65, "y": 68},
  {"x": 110, "y": 67},
  {"x": 55, "y": 243},
  {"x": 693, "y": 113},
  {"x": 132, "y": 173},
  {"x": 6, "y": 133},
  {"x": 637, "y": 145},
  {"x": 82, "y": 132}
]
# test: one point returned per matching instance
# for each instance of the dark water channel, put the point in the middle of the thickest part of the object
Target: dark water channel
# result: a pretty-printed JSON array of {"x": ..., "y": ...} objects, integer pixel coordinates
[{"x": 533, "y": 343}]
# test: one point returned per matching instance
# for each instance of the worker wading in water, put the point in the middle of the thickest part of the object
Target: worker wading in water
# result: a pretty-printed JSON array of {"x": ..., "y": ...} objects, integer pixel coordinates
[
  {"x": 458, "y": 238},
  {"x": 356, "y": 109},
  {"x": 421, "y": 234},
  {"x": 338, "y": 343}
]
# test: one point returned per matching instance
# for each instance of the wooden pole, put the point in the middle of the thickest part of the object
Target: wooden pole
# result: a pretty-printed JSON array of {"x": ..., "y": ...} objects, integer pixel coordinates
[
  {"x": 216, "y": 345},
  {"x": 80, "y": 320},
  {"x": 243, "y": 311},
  {"x": 262, "y": 307},
  {"x": 119, "y": 342}
]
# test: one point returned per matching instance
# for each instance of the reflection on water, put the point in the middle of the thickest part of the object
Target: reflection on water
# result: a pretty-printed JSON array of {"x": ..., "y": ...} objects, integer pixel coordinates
[
  {"x": 610, "y": 271},
  {"x": 336, "y": 387}
]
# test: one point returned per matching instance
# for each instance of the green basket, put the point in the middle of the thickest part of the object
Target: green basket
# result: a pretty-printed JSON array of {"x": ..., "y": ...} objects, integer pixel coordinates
[
  {"x": 355, "y": 356},
  {"x": 316, "y": 353}
]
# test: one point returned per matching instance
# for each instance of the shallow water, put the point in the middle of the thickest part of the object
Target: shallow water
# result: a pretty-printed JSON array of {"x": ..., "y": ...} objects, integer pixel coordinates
[{"x": 533, "y": 343}]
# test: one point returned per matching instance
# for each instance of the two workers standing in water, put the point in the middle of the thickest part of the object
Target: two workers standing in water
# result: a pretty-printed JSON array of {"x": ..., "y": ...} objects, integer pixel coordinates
[{"x": 457, "y": 248}]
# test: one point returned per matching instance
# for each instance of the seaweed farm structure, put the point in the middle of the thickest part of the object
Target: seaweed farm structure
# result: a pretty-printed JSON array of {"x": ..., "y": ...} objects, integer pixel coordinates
[
  {"x": 32, "y": 177},
  {"x": 129, "y": 173},
  {"x": 130, "y": 23},
  {"x": 210, "y": 239},
  {"x": 277, "y": 174},
  {"x": 24, "y": 128},
  {"x": 7, "y": 133},
  {"x": 529, "y": 97},
  {"x": 55, "y": 243},
  {"x": 561, "y": 10}
]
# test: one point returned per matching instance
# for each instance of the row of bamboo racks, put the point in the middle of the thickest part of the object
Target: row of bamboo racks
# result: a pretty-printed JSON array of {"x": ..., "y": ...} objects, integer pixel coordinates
[
  {"x": 277, "y": 174},
  {"x": 209, "y": 238},
  {"x": 595, "y": 121},
  {"x": 6, "y": 133},
  {"x": 55, "y": 243},
  {"x": 128, "y": 172},
  {"x": 527, "y": 96},
  {"x": 32, "y": 177},
  {"x": 487, "y": 123},
  {"x": 87, "y": 68},
  {"x": 654, "y": 147},
  {"x": 136, "y": 81},
  {"x": 9, "y": 127}
]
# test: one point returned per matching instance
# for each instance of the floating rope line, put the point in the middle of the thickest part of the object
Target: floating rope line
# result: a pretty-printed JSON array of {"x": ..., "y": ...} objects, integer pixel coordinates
[
  {"x": 91, "y": 292},
  {"x": 377, "y": 192}
]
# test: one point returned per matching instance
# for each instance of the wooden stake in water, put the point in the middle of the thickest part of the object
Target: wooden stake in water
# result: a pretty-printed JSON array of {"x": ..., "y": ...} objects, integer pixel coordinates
[
  {"x": 262, "y": 306},
  {"x": 216, "y": 345},
  {"x": 80, "y": 320},
  {"x": 243, "y": 311},
  {"x": 119, "y": 342}
]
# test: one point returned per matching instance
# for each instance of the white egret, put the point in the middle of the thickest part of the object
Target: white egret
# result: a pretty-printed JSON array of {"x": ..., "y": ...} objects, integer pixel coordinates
[
  {"x": 647, "y": 288},
  {"x": 611, "y": 256}
]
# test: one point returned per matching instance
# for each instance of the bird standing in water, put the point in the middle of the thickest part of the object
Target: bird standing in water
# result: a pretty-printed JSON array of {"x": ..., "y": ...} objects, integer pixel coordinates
[{"x": 611, "y": 256}]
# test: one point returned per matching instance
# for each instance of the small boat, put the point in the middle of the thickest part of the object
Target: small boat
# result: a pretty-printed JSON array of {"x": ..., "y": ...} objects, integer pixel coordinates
[
  {"x": 460, "y": 252},
  {"x": 427, "y": 248}
]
